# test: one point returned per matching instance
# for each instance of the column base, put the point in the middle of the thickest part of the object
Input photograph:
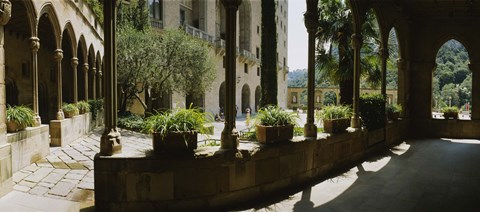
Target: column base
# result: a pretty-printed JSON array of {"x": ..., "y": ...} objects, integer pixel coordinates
[
  {"x": 229, "y": 139},
  {"x": 355, "y": 122},
  {"x": 310, "y": 130},
  {"x": 37, "y": 121},
  {"x": 60, "y": 115},
  {"x": 110, "y": 142}
]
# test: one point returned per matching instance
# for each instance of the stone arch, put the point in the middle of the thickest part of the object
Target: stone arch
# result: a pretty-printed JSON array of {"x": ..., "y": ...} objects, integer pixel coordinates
[
  {"x": 83, "y": 45},
  {"x": 69, "y": 51},
  {"x": 82, "y": 59},
  {"x": 221, "y": 96},
  {"x": 445, "y": 38},
  {"x": 330, "y": 98},
  {"x": 68, "y": 29},
  {"x": 245, "y": 98},
  {"x": 245, "y": 16},
  {"x": 258, "y": 95},
  {"x": 30, "y": 14},
  {"x": 91, "y": 73},
  {"x": 48, "y": 10},
  {"x": 99, "y": 66}
]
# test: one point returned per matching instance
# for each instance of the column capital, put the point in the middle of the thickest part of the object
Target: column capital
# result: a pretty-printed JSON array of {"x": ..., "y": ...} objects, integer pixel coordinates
[
  {"x": 357, "y": 41},
  {"x": 85, "y": 67},
  {"x": 58, "y": 55},
  {"x": 311, "y": 21},
  {"x": 99, "y": 73},
  {"x": 34, "y": 44},
  {"x": 5, "y": 11},
  {"x": 74, "y": 61},
  {"x": 94, "y": 70},
  {"x": 231, "y": 4}
]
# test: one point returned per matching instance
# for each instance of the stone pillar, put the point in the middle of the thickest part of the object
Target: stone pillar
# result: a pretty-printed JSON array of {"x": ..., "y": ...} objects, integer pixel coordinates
[
  {"x": 100, "y": 88},
  {"x": 311, "y": 23},
  {"x": 58, "y": 56},
  {"x": 35, "y": 46},
  {"x": 85, "y": 74},
  {"x": 94, "y": 86},
  {"x": 357, "y": 41},
  {"x": 384, "y": 57},
  {"x": 229, "y": 138},
  {"x": 475, "y": 108},
  {"x": 110, "y": 140},
  {"x": 403, "y": 96},
  {"x": 6, "y": 182},
  {"x": 75, "y": 79}
]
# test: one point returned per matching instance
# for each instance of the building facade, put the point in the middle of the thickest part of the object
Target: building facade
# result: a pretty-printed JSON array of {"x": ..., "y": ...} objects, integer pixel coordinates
[{"x": 205, "y": 19}]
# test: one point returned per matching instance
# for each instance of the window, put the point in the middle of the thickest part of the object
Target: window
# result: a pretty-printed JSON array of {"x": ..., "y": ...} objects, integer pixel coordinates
[
  {"x": 246, "y": 68},
  {"x": 155, "y": 8},
  {"x": 223, "y": 61},
  {"x": 258, "y": 29},
  {"x": 258, "y": 71},
  {"x": 258, "y": 53},
  {"x": 182, "y": 17}
]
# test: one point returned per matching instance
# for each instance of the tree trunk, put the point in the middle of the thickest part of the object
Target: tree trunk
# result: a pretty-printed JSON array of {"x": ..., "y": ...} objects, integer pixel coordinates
[{"x": 346, "y": 92}]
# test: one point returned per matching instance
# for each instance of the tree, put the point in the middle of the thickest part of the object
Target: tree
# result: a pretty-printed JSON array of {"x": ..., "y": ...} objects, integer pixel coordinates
[
  {"x": 268, "y": 77},
  {"x": 156, "y": 63},
  {"x": 334, "y": 52}
]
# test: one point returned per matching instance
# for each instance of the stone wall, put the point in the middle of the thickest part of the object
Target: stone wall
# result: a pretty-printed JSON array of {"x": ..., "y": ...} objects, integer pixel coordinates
[
  {"x": 64, "y": 132},
  {"x": 28, "y": 146},
  {"x": 216, "y": 181},
  {"x": 441, "y": 128}
]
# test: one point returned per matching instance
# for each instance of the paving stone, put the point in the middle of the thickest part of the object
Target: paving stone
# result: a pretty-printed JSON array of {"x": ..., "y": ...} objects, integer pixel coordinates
[
  {"x": 31, "y": 168},
  {"x": 76, "y": 166},
  {"x": 81, "y": 172},
  {"x": 90, "y": 174},
  {"x": 80, "y": 158},
  {"x": 38, "y": 190},
  {"x": 74, "y": 176},
  {"x": 61, "y": 189},
  {"x": 21, "y": 188},
  {"x": 45, "y": 184},
  {"x": 27, "y": 184},
  {"x": 65, "y": 157},
  {"x": 71, "y": 181},
  {"x": 39, "y": 174},
  {"x": 48, "y": 165},
  {"x": 81, "y": 195},
  {"x": 86, "y": 185},
  {"x": 88, "y": 164},
  {"x": 61, "y": 171},
  {"x": 60, "y": 165},
  {"x": 53, "y": 178},
  {"x": 88, "y": 179},
  {"x": 52, "y": 158},
  {"x": 18, "y": 176}
]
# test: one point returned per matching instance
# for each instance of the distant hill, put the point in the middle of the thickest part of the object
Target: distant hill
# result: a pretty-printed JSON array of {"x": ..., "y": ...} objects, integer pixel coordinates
[{"x": 297, "y": 78}]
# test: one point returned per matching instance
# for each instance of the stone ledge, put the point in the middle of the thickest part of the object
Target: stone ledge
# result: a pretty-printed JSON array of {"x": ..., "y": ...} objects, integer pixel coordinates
[{"x": 28, "y": 146}]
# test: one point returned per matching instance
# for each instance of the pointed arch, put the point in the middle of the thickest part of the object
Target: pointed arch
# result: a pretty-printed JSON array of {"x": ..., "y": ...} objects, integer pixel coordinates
[
  {"x": 48, "y": 10},
  {"x": 445, "y": 38},
  {"x": 68, "y": 29},
  {"x": 245, "y": 98},
  {"x": 82, "y": 47}
]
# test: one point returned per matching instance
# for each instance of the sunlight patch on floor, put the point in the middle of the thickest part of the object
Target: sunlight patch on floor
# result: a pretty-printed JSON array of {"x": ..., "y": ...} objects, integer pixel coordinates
[
  {"x": 464, "y": 141},
  {"x": 400, "y": 149}
]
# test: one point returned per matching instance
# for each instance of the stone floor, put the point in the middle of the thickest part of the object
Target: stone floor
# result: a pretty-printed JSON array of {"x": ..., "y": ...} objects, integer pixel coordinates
[{"x": 418, "y": 175}]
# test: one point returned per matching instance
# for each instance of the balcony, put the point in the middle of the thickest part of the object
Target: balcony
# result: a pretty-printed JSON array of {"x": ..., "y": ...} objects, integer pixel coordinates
[
  {"x": 200, "y": 34},
  {"x": 248, "y": 57},
  {"x": 156, "y": 23}
]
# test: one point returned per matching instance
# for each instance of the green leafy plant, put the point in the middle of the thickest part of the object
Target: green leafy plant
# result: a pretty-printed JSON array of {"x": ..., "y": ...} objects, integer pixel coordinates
[
  {"x": 393, "y": 111},
  {"x": 83, "y": 107},
  {"x": 177, "y": 120},
  {"x": 275, "y": 116},
  {"x": 95, "y": 106},
  {"x": 372, "y": 111},
  {"x": 132, "y": 122},
  {"x": 70, "y": 108},
  {"x": 452, "y": 109},
  {"x": 335, "y": 112},
  {"x": 22, "y": 116}
]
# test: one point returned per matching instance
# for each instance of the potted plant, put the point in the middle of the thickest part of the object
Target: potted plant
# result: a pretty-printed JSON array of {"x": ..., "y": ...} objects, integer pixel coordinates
[
  {"x": 450, "y": 112},
  {"x": 274, "y": 124},
  {"x": 83, "y": 107},
  {"x": 19, "y": 118},
  {"x": 335, "y": 118},
  {"x": 70, "y": 110},
  {"x": 393, "y": 112},
  {"x": 176, "y": 131}
]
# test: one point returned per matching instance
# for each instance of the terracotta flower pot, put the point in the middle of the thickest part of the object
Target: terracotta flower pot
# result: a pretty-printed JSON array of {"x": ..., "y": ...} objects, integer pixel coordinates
[
  {"x": 13, "y": 127},
  {"x": 69, "y": 114},
  {"x": 272, "y": 134},
  {"x": 450, "y": 115},
  {"x": 335, "y": 125},
  {"x": 175, "y": 142}
]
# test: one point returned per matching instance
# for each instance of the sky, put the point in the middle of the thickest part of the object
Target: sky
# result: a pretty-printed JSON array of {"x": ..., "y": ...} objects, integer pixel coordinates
[{"x": 297, "y": 35}]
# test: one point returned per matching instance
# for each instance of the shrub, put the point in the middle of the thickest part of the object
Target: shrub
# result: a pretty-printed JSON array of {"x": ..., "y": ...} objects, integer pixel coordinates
[
  {"x": 70, "y": 108},
  {"x": 177, "y": 120},
  {"x": 393, "y": 109},
  {"x": 22, "y": 116},
  {"x": 83, "y": 107},
  {"x": 275, "y": 116},
  {"x": 95, "y": 106},
  {"x": 452, "y": 109},
  {"x": 132, "y": 122},
  {"x": 372, "y": 111},
  {"x": 335, "y": 112}
]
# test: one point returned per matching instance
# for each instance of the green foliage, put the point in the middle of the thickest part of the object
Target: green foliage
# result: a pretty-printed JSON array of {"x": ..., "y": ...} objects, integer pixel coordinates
[
  {"x": 97, "y": 8},
  {"x": 334, "y": 112},
  {"x": 131, "y": 121},
  {"x": 394, "y": 108},
  {"x": 250, "y": 135},
  {"x": 452, "y": 109},
  {"x": 134, "y": 14},
  {"x": 177, "y": 120},
  {"x": 95, "y": 106},
  {"x": 21, "y": 115},
  {"x": 372, "y": 111},
  {"x": 297, "y": 78},
  {"x": 153, "y": 62},
  {"x": 275, "y": 116},
  {"x": 83, "y": 107},
  {"x": 268, "y": 77},
  {"x": 70, "y": 108}
]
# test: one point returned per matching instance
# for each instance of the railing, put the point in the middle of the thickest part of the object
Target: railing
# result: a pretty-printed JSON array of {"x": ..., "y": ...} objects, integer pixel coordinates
[
  {"x": 156, "y": 23},
  {"x": 199, "y": 34}
]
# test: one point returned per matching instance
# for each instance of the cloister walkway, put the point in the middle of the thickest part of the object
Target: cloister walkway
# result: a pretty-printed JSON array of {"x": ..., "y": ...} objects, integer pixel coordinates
[{"x": 417, "y": 175}]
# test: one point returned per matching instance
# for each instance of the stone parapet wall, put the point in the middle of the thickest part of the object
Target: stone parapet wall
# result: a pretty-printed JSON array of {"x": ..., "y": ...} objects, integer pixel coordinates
[
  {"x": 441, "y": 128},
  {"x": 216, "y": 179},
  {"x": 64, "y": 132},
  {"x": 28, "y": 146},
  {"x": 6, "y": 181}
]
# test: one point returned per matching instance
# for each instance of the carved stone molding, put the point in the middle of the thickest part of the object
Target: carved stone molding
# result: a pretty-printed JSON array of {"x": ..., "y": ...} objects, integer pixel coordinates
[
  {"x": 34, "y": 44},
  {"x": 58, "y": 55},
  {"x": 5, "y": 11}
]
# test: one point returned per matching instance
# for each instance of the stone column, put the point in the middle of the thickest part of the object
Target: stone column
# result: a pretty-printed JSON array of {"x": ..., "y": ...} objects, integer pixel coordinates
[
  {"x": 75, "y": 79},
  {"x": 100, "y": 88},
  {"x": 229, "y": 138},
  {"x": 35, "y": 46},
  {"x": 6, "y": 183},
  {"x": 475, "y": 108},
  {"x": 110, "y": 140},
  {"x": 403, "y": 86},
  {"x": 357, "y": 41},
  {"x": 384, "y": 57},
  {"x": 85, "y": 74},
  {"x": 94, "y": 86},
  {"x": 58, "y": 56},
  {"x": 311, "y": 23}
]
